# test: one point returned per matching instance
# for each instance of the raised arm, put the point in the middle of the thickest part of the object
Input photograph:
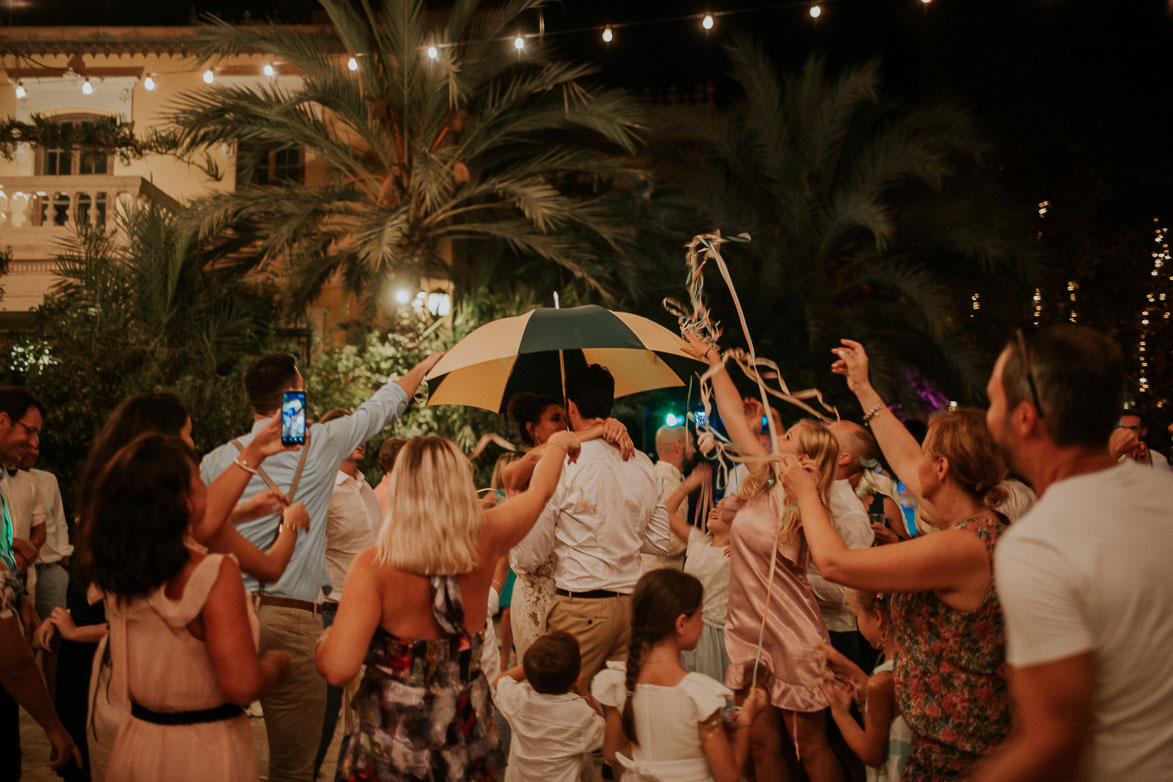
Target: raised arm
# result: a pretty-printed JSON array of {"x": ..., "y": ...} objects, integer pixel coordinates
[
  {"x": 510, "y": 521},
  {"x": 729, "y": 403},
  {"x": 680, "y": 527},
  {"x": 901, "y": 450},
  {"x": 946, "y": 562},
  {"x": 265, "y": 566}
]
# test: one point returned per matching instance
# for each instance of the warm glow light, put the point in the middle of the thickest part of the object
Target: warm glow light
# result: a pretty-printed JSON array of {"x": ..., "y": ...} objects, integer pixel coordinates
[
  {"x": 209, "y": 77},
  {"x": 148, "y": 83},
  {"x": 816, "y": 11},
  {"x": 608, "y": 36},
  {"x": 402, "y": 296},
  {"x": 707, "y": 22},
  {"x": 269, "y": 70},
  {"x": 439, "y": 304},
  {"x": 926, "y": 2},
  {"x": 519, "y": 43},
  {"x": 433, "y": 53},
  {"x": 21, "y": 92},
  {"x": 352, "y": 63},
  {"x": 87, "y": 88}
]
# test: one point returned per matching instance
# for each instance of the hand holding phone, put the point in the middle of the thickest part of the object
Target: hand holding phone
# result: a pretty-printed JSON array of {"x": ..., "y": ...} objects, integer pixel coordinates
[{"x": 293, "y": 418}]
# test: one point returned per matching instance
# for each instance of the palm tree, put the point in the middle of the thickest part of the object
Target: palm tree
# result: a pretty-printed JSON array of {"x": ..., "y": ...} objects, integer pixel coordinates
[
  {"x": 478, "y": 143},
  {"x": 869, "y": 219}
]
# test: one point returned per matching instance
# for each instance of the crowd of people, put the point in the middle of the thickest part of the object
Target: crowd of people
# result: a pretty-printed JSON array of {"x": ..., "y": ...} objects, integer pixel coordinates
[{"x": 984, "y": 599}]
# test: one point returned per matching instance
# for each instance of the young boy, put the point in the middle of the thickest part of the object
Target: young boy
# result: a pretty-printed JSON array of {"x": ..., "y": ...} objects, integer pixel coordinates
[{"x": 554, "y": 721}]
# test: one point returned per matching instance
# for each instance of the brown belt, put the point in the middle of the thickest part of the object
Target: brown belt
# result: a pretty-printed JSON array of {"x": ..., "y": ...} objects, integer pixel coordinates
[{"x": 288, "y": 602}]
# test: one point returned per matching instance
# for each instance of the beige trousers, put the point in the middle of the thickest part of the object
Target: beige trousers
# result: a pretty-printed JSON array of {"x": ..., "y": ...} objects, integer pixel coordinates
[
  {"x": 296, "y": 706},
  {"x": 602, "y": 626}
]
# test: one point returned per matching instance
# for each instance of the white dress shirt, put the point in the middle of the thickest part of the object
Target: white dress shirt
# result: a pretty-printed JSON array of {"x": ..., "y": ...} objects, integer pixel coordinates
[
  {"x": 850, "y": 519},
  {"x": 550, "y": 732},
  {"x": 24, "y": 503},
  {"x": 352, "y": 524},
  {"x": 57, "y": 545},
  {"x": 604, "y": 512},
  {"x": 670, "y": 480}
]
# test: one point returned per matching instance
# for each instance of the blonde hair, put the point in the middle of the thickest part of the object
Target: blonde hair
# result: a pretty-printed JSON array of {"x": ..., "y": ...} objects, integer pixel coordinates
[
  {"x": 819, "y": 444},
  {"x": 975, "y": 463},
  {"x": 433, "y": 522},
  {"x": 503, "y": 461}
]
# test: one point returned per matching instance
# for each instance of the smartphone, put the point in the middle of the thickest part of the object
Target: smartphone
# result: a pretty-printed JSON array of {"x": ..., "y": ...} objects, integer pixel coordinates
[{"x": 293, "y": 418}]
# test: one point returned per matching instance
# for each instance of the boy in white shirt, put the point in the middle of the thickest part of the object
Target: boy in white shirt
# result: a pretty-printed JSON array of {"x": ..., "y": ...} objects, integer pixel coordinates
[{"x": 554, "y": 721}]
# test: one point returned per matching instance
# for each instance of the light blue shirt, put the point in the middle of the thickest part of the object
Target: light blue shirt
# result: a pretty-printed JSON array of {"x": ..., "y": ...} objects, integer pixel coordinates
[{"x": 330, "y": 444}]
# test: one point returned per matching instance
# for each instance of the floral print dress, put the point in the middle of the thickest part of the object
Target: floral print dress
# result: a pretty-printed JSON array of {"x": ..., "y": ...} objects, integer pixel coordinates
[
  {"x": 423, "y": 707},
  {"x": 951, "y": 674}
]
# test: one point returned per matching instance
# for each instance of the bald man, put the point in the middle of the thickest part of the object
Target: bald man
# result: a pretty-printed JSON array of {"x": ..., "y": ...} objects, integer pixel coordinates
[{"x": 673, "y": 450}]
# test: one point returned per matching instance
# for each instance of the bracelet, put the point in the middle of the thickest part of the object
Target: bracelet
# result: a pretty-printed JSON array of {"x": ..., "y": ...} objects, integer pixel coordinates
[
  {"x": 495, "y": 584},
  {"x": 870, "y": 414},
  {"x": 242, "y": 464}
]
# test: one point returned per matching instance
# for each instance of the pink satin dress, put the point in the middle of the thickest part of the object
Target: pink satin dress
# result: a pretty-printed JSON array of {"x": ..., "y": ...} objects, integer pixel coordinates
[{"x": 791, "y": 664}]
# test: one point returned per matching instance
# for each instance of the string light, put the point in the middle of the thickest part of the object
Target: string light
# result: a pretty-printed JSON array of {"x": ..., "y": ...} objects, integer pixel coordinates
[
  {"x": 707, "y": 22},
  {"x": 352, "y": 63},
  {"x": 1038, "y": 300},
  {"x": 519, "y": 43},
  {"x": 1160, "y": 259},
  {"x": 148, "y": 83},
  {"x": 926, "y": 2},
  {"x": 209, "y": 77},
  {"x": 433, "y": 53},
  {"x": 976, "y": 298},
  {"x": 269, "y": 70},
  {"x": 1072, "y": 290},
  {"x": 608, "y": 36},
  {"x": 816, "y": 11},
  {"x": 1043, "y": 208},
  {"x": 21, "y": 92},
  {"x": 87, "y": 88}
]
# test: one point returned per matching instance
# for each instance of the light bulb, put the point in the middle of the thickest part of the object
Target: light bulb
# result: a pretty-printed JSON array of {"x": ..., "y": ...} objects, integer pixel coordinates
[
  {"x": 519, "y": 43},
  {"x": 402, "y": 296},
  {"x": 707, "y": 22},
  {"x": 608, "y": 35},
  {"x": 209, "y": 77},
  {"x": 269, "y": 70},
  {"x": 433, "y": 53},
  {"x": 926, "y": 2},
  {"x": 87, "y": 88},
  {"x": 21, "y": 92},
  {"x": 148, "y": 83},
  {"x": 352, "y": 63},
  {"x": 816, "y": 11}
]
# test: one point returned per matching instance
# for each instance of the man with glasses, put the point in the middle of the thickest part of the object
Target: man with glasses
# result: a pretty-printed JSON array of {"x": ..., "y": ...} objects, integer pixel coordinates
[
  {"x": 1128, "y": 442},
  {"x": 1084, "y": 576}
]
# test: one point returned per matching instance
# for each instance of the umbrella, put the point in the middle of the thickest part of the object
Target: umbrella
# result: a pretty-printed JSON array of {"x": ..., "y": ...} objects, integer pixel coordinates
[{"x": 535, "y": 351}]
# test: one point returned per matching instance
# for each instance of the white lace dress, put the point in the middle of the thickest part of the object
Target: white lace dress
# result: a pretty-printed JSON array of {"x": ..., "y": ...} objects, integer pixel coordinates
[{"x": 533, "y": 592}]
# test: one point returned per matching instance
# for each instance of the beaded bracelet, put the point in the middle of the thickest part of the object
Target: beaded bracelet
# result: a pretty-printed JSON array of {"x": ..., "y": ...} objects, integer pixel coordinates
[
  {"x": 242, "y": 464},
  {"x": 870, "y": 414}
]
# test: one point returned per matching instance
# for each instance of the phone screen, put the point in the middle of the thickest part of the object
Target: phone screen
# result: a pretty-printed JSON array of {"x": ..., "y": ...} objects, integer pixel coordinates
[{"x": 293, "y": 418}]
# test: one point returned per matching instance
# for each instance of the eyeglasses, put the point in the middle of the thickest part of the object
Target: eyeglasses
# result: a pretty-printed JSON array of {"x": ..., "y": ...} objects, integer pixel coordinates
[
  {"x": 30, "y": 431},
  {"x": 1030, "y": 378}
]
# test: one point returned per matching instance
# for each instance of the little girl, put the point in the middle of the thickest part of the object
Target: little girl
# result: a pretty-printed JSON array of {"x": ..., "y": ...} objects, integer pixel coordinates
[
  {"x": 883, "y": 741},
  {"x": 707, "y": 558},
  {"x": 664, "y": 724}
]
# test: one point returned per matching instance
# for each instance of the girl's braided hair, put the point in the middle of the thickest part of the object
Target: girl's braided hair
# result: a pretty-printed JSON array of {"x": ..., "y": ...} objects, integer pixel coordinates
[{"x": 661, "y": 596}]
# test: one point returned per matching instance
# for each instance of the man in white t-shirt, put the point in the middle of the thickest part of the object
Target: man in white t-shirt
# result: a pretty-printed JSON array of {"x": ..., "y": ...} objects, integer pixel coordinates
[{"x": 1084, "y": 578}]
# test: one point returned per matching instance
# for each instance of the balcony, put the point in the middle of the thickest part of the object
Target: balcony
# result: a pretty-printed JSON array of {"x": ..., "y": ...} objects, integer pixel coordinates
[{"x": 37, "y": 212}]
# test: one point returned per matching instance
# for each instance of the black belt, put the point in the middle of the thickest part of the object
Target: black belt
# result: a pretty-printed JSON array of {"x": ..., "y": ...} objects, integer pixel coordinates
[
  {"x": 590, "y": 593},
  {"x": 224, "y": 711}
]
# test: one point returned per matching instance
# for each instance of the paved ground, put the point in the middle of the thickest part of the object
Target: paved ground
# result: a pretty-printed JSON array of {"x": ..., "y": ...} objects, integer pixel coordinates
[{"x": 36, "y": 751}]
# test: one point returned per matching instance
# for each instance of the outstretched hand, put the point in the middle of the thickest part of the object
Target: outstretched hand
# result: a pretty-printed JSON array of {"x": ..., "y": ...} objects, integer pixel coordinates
[
  {"x": 698, "y": 476},
  {"x": 699, "y": 349},
  {"x": 852, "y": 363}
]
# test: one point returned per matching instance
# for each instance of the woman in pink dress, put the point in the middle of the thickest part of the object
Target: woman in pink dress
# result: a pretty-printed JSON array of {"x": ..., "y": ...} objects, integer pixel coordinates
[
  {"x": 181, "y": 626},
  {"x": 768, "y": 528}
]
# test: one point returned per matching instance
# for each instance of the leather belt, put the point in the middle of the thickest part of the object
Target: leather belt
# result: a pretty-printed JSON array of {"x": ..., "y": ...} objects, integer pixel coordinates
[
  {"x": 288, "y": 602},
  {"x": 590, "y": 594}
]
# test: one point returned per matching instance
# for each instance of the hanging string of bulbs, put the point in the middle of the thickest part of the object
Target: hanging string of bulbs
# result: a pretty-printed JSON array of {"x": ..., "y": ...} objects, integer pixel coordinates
[{"x": 433, "y": 51}]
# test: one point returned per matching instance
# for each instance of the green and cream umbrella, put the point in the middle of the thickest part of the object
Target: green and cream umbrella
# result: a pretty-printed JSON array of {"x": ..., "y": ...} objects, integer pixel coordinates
[{"x": 536, "y": 351}]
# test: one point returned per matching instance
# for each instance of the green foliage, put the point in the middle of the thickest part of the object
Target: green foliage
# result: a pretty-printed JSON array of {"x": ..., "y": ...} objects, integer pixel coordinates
[
  {"x": 477, "y": 146},
  {"x": 870, "y": 220},
  {"x": 148, "y": 312}
]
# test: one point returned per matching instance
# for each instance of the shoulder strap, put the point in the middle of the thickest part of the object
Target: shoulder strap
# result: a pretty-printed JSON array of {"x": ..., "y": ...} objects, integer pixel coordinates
[
  {"x": 260, "y": 470},
  {"x": 296, "y": 475}
]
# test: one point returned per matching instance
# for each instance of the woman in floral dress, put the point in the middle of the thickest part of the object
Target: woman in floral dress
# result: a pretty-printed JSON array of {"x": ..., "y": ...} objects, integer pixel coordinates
[
  {"x": 413, "y": 610},
  {"x": 946, "y": 618}
]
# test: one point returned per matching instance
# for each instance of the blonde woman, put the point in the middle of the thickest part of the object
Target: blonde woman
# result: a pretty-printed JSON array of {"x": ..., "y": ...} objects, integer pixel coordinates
[
  {"x": 423, "y": 704},
  {"x": 792, "y": 633}
]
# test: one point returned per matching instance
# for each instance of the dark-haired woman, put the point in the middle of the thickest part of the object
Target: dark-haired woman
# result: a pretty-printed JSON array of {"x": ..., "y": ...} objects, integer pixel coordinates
[
  {"x": 664, "y": 723},
  {"x": 183, "y": 635},
  {"x": 946, "y": 618}
]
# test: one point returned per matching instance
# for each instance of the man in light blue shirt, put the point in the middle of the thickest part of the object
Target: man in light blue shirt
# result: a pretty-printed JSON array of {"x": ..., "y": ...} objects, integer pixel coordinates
[{"x": 288, "y": 609}]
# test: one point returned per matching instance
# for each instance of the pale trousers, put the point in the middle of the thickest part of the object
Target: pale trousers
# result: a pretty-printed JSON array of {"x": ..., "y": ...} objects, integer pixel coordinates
[
  {"x": 295, "y": 707},
  {"x": 602, "y": 626}
]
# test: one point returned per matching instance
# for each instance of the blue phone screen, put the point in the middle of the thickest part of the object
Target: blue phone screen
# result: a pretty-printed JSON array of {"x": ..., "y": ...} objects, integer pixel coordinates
[{"x": 293, "y": 418}]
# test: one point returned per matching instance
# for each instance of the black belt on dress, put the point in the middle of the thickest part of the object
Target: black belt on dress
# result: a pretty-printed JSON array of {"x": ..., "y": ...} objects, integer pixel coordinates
[
  {"x": 590, "y": 593},
  {"x": 224, "y": 711}
]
